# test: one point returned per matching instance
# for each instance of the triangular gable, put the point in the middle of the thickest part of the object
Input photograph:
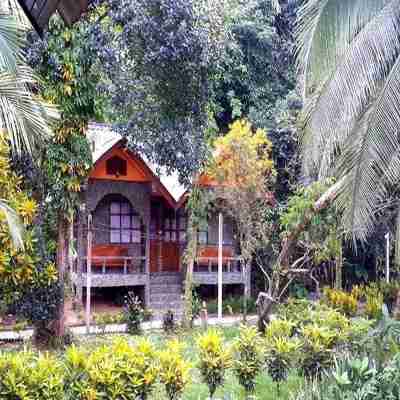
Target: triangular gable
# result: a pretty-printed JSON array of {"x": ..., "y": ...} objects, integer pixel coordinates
[
  {"x": 134, "y": 171},
  {"x": 137, "y": 170}
]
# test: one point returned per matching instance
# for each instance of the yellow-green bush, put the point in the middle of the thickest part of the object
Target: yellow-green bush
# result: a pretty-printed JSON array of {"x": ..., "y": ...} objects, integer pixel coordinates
[
  {"x": 26, "y": 375},
  {"x": 174, "y": 370},
  {"x": 248, "y": 357},
  {"x": 317, "y": 349},
  {"x": 281, "y": 353},
  {"x": 345, "y": 302},
  {"x": 215, "y": 359},
  {"x": 111, "y": 372},
  {"x": 279, "y": 327},
  {"x": 374, "y": 303}
]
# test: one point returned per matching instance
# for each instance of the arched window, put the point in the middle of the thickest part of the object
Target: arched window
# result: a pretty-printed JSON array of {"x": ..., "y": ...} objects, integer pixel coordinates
[
  {"x": 125, "y": 223},
  {"x": 116, "y": 166}
]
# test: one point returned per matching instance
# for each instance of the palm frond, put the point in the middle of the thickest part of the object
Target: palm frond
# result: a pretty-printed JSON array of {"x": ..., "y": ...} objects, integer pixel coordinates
[
  {"x": 24, "y": 117},
  {"x": 11, "y": 41},
  {"x": 350, "y": 88},
  {"x": 371, "y": 158},
  {"x": 324, "y": 32},
  {"x": 15, "y": 225},
  {"x": 397, "y": 240}
]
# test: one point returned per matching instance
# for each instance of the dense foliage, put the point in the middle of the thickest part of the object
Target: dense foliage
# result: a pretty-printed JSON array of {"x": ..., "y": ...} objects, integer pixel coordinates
[
  {"x": 257, "y": 80},
  {"x": 160, "y": 59},
  {"x": 309, "y": 337},
  {"x": 214, "y": 360},
  {"x": 67, "y": 65},
  {"x": 242, "y": 167},
  {"x": 321, "y": 240},
  {"x": 23, "y": 271}
]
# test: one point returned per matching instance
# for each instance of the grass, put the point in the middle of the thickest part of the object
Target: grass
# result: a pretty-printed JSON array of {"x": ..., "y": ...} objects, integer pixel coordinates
[{"x": 231, "y": 390}]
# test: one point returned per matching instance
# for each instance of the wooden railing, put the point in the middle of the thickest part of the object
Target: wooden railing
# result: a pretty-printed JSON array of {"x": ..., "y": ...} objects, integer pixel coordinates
[
  {"x": 127, "y": 265},
  {"x": 229, "y": 264}
]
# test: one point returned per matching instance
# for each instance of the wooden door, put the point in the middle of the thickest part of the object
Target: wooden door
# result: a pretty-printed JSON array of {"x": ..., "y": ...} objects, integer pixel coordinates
[{"x": 170, "y": 256}]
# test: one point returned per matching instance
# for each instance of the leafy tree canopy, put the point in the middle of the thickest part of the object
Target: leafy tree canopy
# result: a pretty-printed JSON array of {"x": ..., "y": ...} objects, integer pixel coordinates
[
  {"x": 162, "y": 55},
  {"x": 257, "y": 80}
]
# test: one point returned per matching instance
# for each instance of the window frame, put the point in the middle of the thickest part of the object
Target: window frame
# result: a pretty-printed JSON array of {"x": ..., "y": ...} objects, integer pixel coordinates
[{"x": 132, "y": 230}]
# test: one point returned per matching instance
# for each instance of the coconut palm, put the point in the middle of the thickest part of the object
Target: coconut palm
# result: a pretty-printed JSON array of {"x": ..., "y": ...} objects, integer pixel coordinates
[
  {"x": 23, "y": 117},
  {"x": 349, "y": 61}
]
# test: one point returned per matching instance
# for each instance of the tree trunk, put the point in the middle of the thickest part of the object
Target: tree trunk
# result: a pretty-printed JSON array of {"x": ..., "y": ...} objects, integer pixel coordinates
[
  {"x": 187, "y": 319},
  {"x": 62, "y": 262},
  {"x": 265, "y": 305},
  {"x": 246, "y": 291},
  {"x": 265, "y": 301},
  {"x": 396, "y": 310},
  {"x": 339, "y": 269}
]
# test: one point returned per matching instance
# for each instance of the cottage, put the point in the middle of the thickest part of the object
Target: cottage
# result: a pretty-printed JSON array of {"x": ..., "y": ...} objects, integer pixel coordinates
[{"x": 138, "y": 227}]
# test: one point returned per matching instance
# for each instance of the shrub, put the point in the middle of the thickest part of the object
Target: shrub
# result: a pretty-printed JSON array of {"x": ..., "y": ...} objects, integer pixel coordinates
[
  {"x": 168, "y": 321},
  {"x": 103, "y": 319},
  {"x": 214, "y": 359},
  {"x": 358, "y": 334},
  {"x": 344, "y": 302},
  {"x": 119, "y": 318},
  {"x": 296, "y": 310},
  {"x": 232, "y": 304},
  {"x": 248, "y": 357},
  {"x": 374, "y": 304},
  {"x": 24, "y": 375},
  {"x": 278, "y": 328},
  {"x": 280, "y": 354},
  {"x": 133, "y": 311},
  {"x": 316, "y": 355},
  {"x": 389, "y": 292},
  {"x": 173, "y": 370},
  {"x": 116, "y": 371},
  {"x": 196, "y": 304},
  {"x": 147, "y": 314},
  {"x": 356, "y": 379}
]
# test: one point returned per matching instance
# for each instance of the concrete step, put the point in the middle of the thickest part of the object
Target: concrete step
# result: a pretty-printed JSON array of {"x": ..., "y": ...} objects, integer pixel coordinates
[
  {"x": 164, "y": 306},
  {"x": 165, "y": 289},
  {"x": 166, "y": 278},
  {"x": 165, "y": 297}
]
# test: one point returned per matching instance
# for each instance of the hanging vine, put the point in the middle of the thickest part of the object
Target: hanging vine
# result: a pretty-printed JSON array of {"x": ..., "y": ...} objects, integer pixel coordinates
[{"x": 199, "y": 206}]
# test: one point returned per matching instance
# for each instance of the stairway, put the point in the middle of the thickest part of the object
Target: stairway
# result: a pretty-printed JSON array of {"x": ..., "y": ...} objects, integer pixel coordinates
[{"x": 166, "y": 294}]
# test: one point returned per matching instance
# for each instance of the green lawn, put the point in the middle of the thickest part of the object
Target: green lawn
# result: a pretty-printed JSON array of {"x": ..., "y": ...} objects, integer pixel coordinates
[{"x": 266, "y": 389}]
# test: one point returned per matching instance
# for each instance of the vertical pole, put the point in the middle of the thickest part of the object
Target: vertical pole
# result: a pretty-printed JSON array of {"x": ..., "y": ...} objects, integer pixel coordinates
[
  {"x": 88, "y": 271},
  {"x": 220, "y": 240},
  {"x": 81, "y": 252},
  {"x": 147, "y": 265},
  {"x": 387, "y": 237},
  {"x": 71, "y": 246}
]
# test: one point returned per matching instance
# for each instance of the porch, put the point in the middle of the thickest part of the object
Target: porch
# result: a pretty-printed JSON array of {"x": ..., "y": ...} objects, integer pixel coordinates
[
  {"x": 205, "y": 271},
  {"x": 104, "y": 275}
]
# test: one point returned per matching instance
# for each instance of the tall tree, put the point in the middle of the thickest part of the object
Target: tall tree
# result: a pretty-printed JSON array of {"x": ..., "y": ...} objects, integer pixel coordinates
[
  {"x": 68, "y": 66},
  {"x": 160, "y": 86},
  {"x": 245, "y": 173},
  {"x": 257, "y": 80}
]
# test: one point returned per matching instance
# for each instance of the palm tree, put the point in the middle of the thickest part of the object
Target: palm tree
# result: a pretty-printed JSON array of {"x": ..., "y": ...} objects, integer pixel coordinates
[
  {"x": 23, "y": 117},
  {"x": 349, "y": 61}
]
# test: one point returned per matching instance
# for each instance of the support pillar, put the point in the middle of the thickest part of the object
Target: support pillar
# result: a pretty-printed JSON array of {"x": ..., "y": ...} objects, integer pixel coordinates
[
  {"x": 220, "y": 254},
  {"x": 81, "y": 218},
  {"x": 247, "y": 289},
  {"x": 147, "y": 266},
  {"x": 88, "y": 273}
]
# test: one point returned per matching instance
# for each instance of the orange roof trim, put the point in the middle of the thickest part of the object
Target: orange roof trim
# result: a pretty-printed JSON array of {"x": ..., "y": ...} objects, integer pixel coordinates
[{"x": 137, "y": 170}]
